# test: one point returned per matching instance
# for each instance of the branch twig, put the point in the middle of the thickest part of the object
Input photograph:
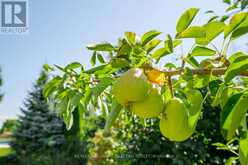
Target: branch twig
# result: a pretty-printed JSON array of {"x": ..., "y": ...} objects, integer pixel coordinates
[{"x": 215, "y": 71}]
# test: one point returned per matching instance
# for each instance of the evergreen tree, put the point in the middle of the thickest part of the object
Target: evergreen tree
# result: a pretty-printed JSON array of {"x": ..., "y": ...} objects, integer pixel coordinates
[{"x": 38, "y": 127}]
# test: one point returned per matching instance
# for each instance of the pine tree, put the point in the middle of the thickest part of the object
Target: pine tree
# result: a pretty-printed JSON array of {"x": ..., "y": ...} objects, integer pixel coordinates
[{"x": 38, "y": 127}]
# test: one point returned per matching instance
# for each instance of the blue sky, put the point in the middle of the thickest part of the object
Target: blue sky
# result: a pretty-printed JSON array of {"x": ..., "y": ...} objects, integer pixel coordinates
[{"x": 60, "y": 29}]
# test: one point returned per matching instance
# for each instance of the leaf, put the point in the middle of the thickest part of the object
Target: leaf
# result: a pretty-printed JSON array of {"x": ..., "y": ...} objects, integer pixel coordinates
[
  {"x": 68, "y": 119},
  {"x": 114, "y": 113},
  {"x": 51, "y": 86},
  {"x": 237, "y": 57},
  {"x": 202, "y": 51},
  {"x": 213, "y": 18},
  {"x": 169, "y": 65},
  {"x": 192, "y": 32},
  {"x": 227, "y": 1},
  {"x": 100, "y": 58},
  {"x": 60, "y": 68},
  {"x": 233, "y": 113},
  {"x": 212, "y": 29},
  {"x": 224, "y": 18},
  {"x": 148, "y": 36},
  {"x": 243, "y": 149},
  {"x": 75, "y": 100},
  {"x": 192, "y": 61},
  {"x": 47, "y": 68},
  {"x": 186, "y": 19},
  {"x": 241, "y": 30},
  {"x": 231, "y": 160},
  {"x": 217, "y": 97},
  {"x": 104, "y": 46},
  {"x": 102, "y": 85},
  {"x": 93, "y": 59},
  {"x": 176, "y": 43},
  {"x": 73, "y": 65},
  {"x": 131, "y": 37},
  {"x": 95, "y": 69},
  {"x": 151, "y": 45},
  {"x": 195, "y": 99},
  {"x": 201, "y": 81},
  {"x": 235, "y": 68},
  {"x": 168, "y": 44},
  {"x": 159, "y": 53},
  {"x": 235, "y": 21},
  {"x": 119, "y": 63}
]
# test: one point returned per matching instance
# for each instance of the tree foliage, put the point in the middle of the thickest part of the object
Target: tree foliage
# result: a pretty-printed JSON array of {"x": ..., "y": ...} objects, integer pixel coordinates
[
  {"x": 205, "y": 65},
  {"x": 9, "y": 125},
  {"x": 38, "y": 127}
]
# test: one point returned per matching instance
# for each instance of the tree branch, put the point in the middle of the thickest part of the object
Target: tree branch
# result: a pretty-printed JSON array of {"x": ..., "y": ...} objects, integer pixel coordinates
[{"x": 215, "y": 71}]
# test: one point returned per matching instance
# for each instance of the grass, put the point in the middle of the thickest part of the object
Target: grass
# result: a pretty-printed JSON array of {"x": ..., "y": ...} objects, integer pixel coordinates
[{"x": 5, "y": 151}]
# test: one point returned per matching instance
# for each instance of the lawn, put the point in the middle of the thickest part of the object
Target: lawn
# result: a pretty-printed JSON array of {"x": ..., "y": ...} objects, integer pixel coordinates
[{"x": 5, "y": 151}]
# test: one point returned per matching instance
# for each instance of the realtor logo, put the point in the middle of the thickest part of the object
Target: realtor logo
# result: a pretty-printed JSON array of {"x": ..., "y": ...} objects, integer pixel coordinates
[{"x": 13, "y": 17}]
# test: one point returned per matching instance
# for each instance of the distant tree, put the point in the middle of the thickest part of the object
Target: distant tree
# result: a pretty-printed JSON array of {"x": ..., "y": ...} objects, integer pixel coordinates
[
  {"x": 9, "y": 126},
  {"x": 38, "y": 127}
]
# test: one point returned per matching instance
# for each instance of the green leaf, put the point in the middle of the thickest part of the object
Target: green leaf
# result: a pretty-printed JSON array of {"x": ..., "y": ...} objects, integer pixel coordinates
[
  {"x": 73, "y": 65},
  {"x": 192, "y": 32},
  {"x": 131, "y": 37},
  {"x": 231, "y": 160},
  {"x": 59, "y": 67},
  {"x": 51, "y": 86},
  {"x": 224, "y": 18},
  {"x": 47, "y": 68},
  {"x": 233, "y": 113},
  {"x": 75, "y": 100},
  {"x": 104, "y": 46},
  {"x": 176, "y": 43},
  {"x": 243, "y": 149},
  {"x": 201, "y": 81},
  {"x": 186, "y": 19},
  {"x": 148, "y": 36},
  {"x": 100, "y": 58},
  {"x": 168, "y": 44},
  {"x": 235, "y": 21},
  {"x": 95, "y": 69},
  {"x": 114, "y": 113},
  {"x": 202, "y": 51},
  {"x": 151, "y": 45},
  {"x": 192, "y": 61},
  {"x": 227, "y": 1},
  {"x": 159, "y": 53},
  {"x": 218, "y": 97},
  {"x": 237, "y": 57},
  {"x": 241, "y": 30},
  {"x": 68, "y": 119},
  {"x": 195, "y": 99},
  {"x": 93, "y": 59},
  {"x": 119, "y": 63},
  {"x": 213, "y": 18},
  {"x": 102, "y": 85},
  {"x": 212, "y": 29},
  {"x": 169, "y": 65},
  {"x": 235, "y": 68}
]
